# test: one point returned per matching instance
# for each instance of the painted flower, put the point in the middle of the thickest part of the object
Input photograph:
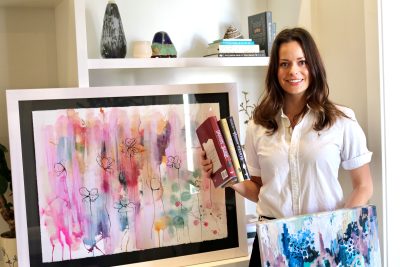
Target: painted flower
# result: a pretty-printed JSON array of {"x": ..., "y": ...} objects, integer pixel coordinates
[
  {"x": 174, "y": 162},
  {"x": 60, "y": 169},
  {"x": 89, "y": 195},
  {"x": 124, "y": 205},
  {"x": 131, "y": 147},
  {"x": 104, "y": 162}
]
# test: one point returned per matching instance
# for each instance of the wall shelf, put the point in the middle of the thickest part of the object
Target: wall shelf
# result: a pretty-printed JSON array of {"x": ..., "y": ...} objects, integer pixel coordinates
[{"x": 144, "y": 63}]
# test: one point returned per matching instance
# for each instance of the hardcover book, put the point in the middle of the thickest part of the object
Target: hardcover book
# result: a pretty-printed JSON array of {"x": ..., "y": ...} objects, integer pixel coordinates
[
  {"x": 233, "y": 40},
  {"x": 259, "y": 54},
  {"x": 212, "y": 142},
  {"x": 260, "y": 30},
  {"x": 222, "y": 48},
  {"x": 223, "y": 125},
  {"x": 236, "y": 42},
  {"x": 238, "y": 147}
]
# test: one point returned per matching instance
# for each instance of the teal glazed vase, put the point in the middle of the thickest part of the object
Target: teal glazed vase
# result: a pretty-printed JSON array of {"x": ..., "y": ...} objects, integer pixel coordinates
[
  {"x": 113, "y": 42},
  {"x": 162, "y": 45}
]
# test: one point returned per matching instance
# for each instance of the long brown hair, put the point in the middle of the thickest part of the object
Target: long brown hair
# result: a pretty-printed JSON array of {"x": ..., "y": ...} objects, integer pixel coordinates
[{"x": 316, "y": 94}]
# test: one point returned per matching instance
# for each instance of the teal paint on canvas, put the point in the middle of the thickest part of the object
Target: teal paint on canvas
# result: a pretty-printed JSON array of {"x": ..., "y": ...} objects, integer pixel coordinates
[{"x": 346, "y": 237}]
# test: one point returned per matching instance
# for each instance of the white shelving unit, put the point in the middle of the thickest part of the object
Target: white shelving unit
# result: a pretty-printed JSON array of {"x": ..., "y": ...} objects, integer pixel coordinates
[
  {"x": 86, "y": 64},
  {"x": 74, "y": 66},
  {"x": 206, "y": 62}
]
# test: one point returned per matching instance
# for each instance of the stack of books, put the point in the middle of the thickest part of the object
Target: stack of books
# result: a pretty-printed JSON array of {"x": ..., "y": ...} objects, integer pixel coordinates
[
  {"x": 234, "y": 48},
  {"x": 220, "y": 140}
]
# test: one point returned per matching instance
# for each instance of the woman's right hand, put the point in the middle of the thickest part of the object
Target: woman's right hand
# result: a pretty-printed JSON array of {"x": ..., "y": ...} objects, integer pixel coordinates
[{"x": 206, "y": 164}]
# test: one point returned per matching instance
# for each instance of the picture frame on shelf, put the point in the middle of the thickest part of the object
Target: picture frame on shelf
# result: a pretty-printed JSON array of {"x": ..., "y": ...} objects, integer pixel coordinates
[{"x": 108, "y": 176}]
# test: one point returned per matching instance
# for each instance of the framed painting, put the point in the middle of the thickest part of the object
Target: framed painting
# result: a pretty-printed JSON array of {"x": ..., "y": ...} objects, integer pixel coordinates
[
  {"x": 345, "y": 237},
  {"x": 110, "y": 176}
]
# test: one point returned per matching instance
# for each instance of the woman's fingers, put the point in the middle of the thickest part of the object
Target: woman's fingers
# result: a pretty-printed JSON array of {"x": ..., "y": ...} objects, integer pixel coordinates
[{"x": 206, "y": 164}]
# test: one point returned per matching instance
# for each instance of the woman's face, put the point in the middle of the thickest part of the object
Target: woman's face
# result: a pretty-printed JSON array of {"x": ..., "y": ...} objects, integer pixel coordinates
[{"x": 293, "y": 72}]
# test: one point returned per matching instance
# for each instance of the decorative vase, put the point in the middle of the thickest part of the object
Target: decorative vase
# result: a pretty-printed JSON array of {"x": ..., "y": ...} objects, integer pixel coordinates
[
  {"x": 162, "y": 45},
  {"x": 142, "y": 49},
  {"x": 113, "y": 42},
  {"x": 8, "y": 251}
]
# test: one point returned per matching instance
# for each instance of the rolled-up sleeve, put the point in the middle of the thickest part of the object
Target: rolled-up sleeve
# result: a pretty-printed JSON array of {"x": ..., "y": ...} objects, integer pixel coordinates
[{"x": 354, "y": 151}]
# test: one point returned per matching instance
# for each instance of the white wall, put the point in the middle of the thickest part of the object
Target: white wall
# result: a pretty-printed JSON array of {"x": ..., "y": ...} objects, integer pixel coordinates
[
  {"x": 374, "y": 110},
  {"x": 342, "y": 45},
  {"x": 349, "y": 45},
  {"x": 27, "y": 53},
  {"x": 389, "y": 62},
  {"x": 27, "y": 56}
]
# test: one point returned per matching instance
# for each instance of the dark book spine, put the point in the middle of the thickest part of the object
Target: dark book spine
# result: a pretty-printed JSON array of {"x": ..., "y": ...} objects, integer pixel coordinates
[
  {"x": 268, "y": 17},
  {"x": 238, "y": 147},
  {"x": 259, "y": 54}
]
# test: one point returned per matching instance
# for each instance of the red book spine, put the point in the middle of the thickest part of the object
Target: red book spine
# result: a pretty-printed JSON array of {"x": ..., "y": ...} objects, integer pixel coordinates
[{"x": 212, "y": 142}]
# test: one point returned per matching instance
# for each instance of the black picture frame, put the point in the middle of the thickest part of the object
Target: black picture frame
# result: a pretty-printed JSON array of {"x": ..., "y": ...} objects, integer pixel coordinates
[{"x": 21, "y": 104}]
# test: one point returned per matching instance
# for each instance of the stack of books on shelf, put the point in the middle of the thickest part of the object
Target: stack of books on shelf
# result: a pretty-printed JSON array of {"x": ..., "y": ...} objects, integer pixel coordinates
[
  {"x": 220, "y": 140},
  {"x": 234, "y": 48}
]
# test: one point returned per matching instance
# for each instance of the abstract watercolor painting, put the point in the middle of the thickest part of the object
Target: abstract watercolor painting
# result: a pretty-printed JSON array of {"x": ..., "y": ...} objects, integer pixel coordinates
[
  {"x": 115, "y": 179},
  {"x": 347, "y": 237},
  {"x": 118, "y": 179}
]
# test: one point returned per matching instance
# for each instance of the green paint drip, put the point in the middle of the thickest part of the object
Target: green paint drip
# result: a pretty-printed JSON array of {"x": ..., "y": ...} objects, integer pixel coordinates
[
  {"x": 175, "y": 187},
  {"x": 178, "y": 222},
  {"x": 185, "y": 196}
]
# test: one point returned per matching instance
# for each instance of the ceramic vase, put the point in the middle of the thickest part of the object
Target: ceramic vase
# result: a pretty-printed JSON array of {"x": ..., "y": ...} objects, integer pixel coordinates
[
  {"x": 142, "y": 49},
  {"x": 8, "y": 252},
  {"x": 113, "y": 42},
  {"x": 162, "y": 45}
]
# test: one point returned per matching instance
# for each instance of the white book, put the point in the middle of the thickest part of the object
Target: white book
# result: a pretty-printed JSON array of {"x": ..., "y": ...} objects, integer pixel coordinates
[{"x": 234, "y": 49}]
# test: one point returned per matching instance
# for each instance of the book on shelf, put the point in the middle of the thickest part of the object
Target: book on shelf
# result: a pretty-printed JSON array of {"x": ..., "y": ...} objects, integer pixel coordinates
[
  {"x": 213, "y": 143},
  {"x": 233, "y": 41},
  {"x": 223, "y": 125},
  {"x": 238, "y": 147},
  {"x": 219, "y": 48},
  {"x": 236, "y": 42},
  {"x": 259, "y": 54},
  {"x": 260, "y": 30},
  {"x": 273, "y": 31}
]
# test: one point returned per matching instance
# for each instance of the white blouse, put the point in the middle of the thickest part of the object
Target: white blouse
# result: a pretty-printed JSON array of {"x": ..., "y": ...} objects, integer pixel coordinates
[{"x": 299, "y": 167}]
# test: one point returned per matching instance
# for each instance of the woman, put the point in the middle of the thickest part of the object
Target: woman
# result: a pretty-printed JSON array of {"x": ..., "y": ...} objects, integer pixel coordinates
[{"x": 298, "y": 139}]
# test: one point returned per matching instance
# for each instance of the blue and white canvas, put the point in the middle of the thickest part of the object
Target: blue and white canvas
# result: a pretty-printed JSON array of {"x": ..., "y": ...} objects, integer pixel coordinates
[{"x": 346, "y": 237}]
